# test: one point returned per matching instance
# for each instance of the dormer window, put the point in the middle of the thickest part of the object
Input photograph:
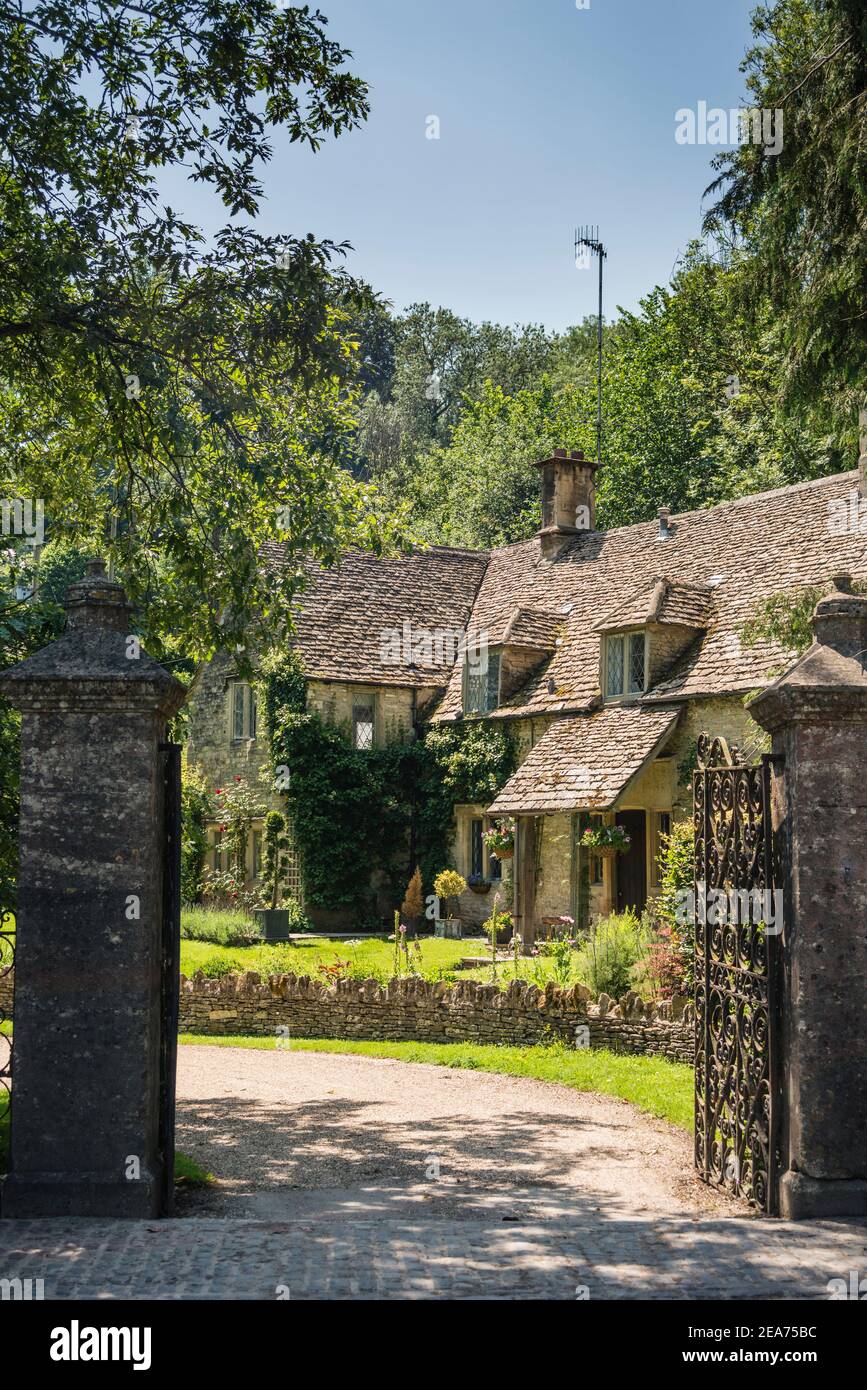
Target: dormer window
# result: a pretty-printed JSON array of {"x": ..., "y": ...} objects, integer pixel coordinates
[
  {"x": 481, "y": 680},
  {"x": 625, "y": 664}
]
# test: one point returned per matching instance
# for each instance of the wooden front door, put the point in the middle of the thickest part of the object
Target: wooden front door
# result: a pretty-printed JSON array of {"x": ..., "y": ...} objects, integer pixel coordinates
[{"x": 631, "y": 867}]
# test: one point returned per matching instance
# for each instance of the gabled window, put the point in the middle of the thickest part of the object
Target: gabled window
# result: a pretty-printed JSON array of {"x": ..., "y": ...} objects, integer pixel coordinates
[
  {"x": 363, "y": 726},
  {"x": 243, "y": 710},
  {"x": 624, "y": 664},
  {"x": 481, "y": 681}
]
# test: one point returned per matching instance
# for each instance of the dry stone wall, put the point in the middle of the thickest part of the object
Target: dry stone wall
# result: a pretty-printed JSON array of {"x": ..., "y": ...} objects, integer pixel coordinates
[{"x": 414, "y": 1010}]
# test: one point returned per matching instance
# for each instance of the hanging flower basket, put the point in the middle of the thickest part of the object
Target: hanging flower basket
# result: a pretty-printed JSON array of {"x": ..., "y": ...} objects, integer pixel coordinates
[
  {"x": 500, "y": 840},
  {"x": 606, "y": 841}
]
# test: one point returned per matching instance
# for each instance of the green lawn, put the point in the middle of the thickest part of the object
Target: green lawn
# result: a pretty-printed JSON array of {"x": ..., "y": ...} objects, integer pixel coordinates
[
  {"x": 368, "y": 958},
  {"x": 662, "y": 1088}
]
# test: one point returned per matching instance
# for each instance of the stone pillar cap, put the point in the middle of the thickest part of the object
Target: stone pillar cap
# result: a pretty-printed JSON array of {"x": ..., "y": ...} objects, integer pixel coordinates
[
  {"x": 97, "y": 601},
  {"x": 98, "y": 664}
]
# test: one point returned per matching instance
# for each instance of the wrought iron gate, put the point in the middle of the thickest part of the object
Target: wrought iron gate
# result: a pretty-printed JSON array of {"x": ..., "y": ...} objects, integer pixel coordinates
[
  {"x": 170, "y": 983},
  {"x": 737, "y": 1033},
  {"x": 7, "y": 960}
]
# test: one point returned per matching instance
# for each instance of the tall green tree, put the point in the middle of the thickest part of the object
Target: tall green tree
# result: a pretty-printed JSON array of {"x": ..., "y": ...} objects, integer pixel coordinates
[
  {"x": 803, "y": 211},
  {"x": 176, "y": 401},
  {"x": 440, "y": 362}
]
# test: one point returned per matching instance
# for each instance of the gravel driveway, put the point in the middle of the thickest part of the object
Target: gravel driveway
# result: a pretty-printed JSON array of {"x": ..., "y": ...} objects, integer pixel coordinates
[{"x": 291, "y": 1134}]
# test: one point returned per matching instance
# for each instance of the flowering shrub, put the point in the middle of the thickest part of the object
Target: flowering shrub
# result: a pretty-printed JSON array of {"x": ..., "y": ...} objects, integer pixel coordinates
[
  {"x": 673, "y": 957},
  {"x": 226, "y": 891},
  {"x": 196, "y": 811}
]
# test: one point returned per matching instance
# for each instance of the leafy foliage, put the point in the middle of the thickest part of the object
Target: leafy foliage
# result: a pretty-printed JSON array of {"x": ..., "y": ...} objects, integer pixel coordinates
[
  {"x": 607, "y": 960},
  {"x": 176, "y": 401},
  {"x": 692, "y": 417},
  {"x": 353, "y": 811},
  {"x": 785, "y": 618},
  {"x": 460, "y": 764},
  {"x": 275, "y": 866},
  {"x": 672, "y": 966},
  {"x": 803, "y": 212},
  {"x": 197, "y": 810}
]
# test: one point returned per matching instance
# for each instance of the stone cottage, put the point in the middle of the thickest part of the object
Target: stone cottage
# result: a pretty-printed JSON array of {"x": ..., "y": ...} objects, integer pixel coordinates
[{"x": 608, "y": 652}]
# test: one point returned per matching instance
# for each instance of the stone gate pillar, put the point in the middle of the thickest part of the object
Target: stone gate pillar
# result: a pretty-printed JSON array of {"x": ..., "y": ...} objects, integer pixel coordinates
[
  {"x": 817, "y": 714},
  {"x": 86, "y": 1066}
]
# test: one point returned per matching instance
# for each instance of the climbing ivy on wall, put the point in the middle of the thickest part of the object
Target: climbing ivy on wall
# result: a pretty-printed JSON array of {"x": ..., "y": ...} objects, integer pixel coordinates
[
  {"x": 461, "y": 764},
  {"x": 356, "y": 813}
]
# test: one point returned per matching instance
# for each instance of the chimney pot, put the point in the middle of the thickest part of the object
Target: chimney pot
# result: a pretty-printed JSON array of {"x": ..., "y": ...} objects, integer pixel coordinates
[{"x": 664, "y": 528}]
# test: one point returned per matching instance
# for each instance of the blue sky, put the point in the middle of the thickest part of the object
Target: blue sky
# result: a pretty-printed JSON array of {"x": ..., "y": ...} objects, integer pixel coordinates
[{"x": 550, "y": 116}]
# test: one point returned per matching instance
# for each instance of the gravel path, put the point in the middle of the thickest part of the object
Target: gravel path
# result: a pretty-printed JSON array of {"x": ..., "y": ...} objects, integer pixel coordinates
[
  {"x": 284, "y": 1132},
  {"x": 328, "y": 1189}
]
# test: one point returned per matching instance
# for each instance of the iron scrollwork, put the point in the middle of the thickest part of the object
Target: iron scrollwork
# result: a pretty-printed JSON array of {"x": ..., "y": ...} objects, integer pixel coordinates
[
  {"x": 7, "y": 961},
  {"x": 735, "y": 966}
]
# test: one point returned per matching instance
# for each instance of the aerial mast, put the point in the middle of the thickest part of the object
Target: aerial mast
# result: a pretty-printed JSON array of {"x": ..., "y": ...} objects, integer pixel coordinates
[{"x": 587, "y": 244}]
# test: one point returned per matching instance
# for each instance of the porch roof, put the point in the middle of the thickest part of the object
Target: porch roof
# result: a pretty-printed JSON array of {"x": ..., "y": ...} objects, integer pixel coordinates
[{"x": 585, "y": 763}]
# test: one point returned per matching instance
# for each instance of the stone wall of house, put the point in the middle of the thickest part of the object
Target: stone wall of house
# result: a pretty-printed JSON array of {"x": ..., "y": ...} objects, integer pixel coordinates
[
  {"x": 333, "y": 701},
  {"x": 725, "y": 718},
  {"x": 211, "y": 747},
  {"x": 414, "y": 1010}
]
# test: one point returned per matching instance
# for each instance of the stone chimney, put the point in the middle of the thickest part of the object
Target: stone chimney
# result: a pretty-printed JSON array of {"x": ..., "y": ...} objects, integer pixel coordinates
[{"x": 568, "y": 499}]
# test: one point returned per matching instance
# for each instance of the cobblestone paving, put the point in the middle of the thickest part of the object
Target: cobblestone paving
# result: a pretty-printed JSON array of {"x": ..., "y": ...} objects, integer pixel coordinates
[{"x": 332, "y": 1255}]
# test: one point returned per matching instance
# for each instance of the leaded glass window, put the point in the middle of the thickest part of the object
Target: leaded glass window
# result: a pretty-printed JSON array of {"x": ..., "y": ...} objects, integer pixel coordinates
[
  {"x": 614, "y": 676},
  {"x": 238, "y": 709},
  {"x": 624, "y": 665},
  {"x": 243, "y": 710},
  {"x": 636, "y": 663},
  {"x": 363, "y": 726},
  {"x": 481, "y": 681}
]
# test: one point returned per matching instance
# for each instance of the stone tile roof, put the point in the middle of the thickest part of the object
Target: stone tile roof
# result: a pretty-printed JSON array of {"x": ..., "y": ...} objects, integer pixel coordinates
[
  {"x": 712, "y": 570},
  {"x": 661, "y": 601},
  {"x": 584, "y": 763},
  {"x": 388, "y": 621},
  {"x": 742, "y": 551},
  {"x": 526, "y": 627}
]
